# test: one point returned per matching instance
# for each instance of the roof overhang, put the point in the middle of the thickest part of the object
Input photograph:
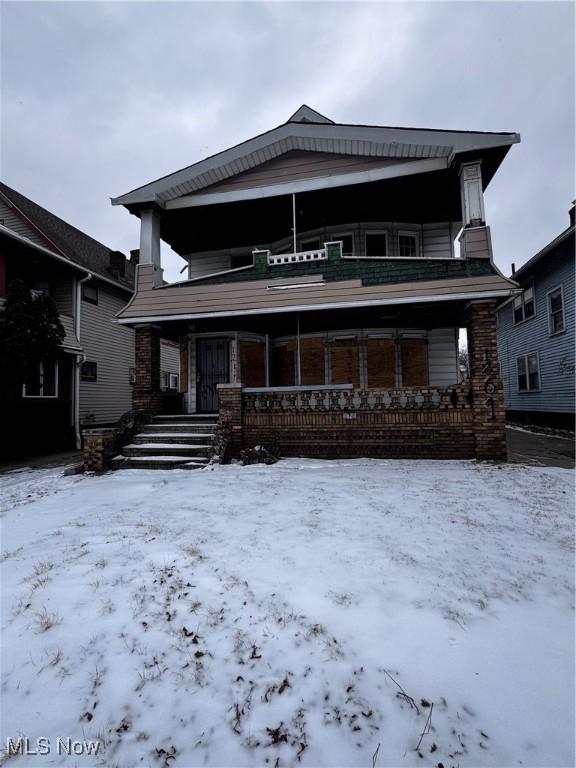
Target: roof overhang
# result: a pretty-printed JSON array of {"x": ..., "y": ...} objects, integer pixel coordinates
[
  {"x": 360, "y": 140},
  {"x": 41, "y": 249}
]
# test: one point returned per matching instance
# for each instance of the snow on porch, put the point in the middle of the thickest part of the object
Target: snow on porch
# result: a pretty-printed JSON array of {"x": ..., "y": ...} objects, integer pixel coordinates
[{"x": 350, "y": 613}]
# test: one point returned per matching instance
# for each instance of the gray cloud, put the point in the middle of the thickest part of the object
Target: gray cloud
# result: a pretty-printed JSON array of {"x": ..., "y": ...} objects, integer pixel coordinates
[{"x": 98, "y": 98}]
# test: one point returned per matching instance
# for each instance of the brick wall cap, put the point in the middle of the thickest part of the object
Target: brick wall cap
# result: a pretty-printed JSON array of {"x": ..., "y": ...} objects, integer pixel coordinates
[
  {"x": 102, "y": 432},
  {"x": 228, "y": 386}
]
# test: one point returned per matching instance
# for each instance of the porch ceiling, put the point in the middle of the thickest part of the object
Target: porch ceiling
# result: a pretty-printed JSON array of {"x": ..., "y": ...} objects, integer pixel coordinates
[{"x": 423, "y": 198}]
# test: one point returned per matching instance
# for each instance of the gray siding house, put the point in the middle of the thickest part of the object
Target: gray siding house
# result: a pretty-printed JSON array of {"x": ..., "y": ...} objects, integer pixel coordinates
[
  {"x": 90, "y": 284},
  {"x": 536, "y": 336}
]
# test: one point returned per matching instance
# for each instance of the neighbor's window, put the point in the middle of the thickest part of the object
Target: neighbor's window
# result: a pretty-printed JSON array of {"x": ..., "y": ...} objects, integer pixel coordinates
[
  {"x": 407, "y": 244},
  {"x": 41, "y": 380},
  {"x": 528, "y": 373},
  {"x": 89, "y": 371},
  {"x": 376, "y": 244},
  {"x": 524, "y": 306},
  {"x": 41, "y": 287},
  {"x": 556, "y": 311},
  {"x": 90, "y": 293}
]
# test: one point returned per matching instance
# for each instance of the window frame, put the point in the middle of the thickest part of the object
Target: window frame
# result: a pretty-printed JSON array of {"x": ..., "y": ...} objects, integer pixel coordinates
[
  {"x": 85, "y": 287},
  {"x": 415, "y": 236},
  {"x": 41, "y": 395},
  {"x": 335, "y": 237},
  {"x": 549, "y": 293},
  {"x": 523, "y": 306},
  {"x": 83, "y": 376},
  {"x": 528, "y": 389},
  {"x": 384, "y": 232}
]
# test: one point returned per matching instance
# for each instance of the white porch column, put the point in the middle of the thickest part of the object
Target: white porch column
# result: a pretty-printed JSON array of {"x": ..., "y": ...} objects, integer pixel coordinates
[
  {"x": 150, "y": 242},
  {"x": 472, "y": 195}
]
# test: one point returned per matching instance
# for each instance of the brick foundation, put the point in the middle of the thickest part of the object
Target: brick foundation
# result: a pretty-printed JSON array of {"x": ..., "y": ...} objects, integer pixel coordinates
[
  {"x": 146, "y": 395},
  {"x": 98, "y": 449},
  {"x": 489, "y": 420},
  {"x": 230, "y": 415}
]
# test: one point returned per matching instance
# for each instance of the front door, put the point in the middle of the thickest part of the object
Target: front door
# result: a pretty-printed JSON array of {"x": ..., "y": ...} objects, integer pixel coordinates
[{"x": 211, "y": 369}]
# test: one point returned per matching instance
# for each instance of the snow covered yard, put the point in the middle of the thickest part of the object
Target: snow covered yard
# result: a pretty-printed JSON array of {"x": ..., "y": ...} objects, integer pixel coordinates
[{"x": 353, "y": 613}]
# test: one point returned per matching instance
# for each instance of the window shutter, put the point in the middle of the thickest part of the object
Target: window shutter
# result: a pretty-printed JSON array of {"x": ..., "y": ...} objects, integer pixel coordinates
[
  {"x": 414, "y": 361},
  {"x": 345, "y": 362},
  {"x": 312, "y": 366},
  {"x": 283, "y": 367},
  {"x": 252, "y": 364}
]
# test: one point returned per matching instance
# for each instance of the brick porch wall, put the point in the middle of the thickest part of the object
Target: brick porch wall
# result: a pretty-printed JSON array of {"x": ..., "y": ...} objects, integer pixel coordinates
[
  {"x": 146, "y": 394},
  {"x": 487, "y": 391}
]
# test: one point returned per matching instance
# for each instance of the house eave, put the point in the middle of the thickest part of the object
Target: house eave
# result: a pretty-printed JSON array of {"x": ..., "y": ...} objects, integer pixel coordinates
[{"x": 465, "y": 296}]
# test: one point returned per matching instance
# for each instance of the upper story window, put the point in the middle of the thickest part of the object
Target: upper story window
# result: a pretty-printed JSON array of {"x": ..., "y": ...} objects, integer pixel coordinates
[
  {"x": 310, "y": 245},
  {"x": 524, "y": 307},
  {"x": 556, "y": 311},
  {"x": 90, "y": 293},
  {"x": 528, "y": 372},
  {"x": 347, "y": 241},
  {"x": 408, "y": 244},
  {"x": 41, "y": 380},
  {"x": 376, "y": 244}
]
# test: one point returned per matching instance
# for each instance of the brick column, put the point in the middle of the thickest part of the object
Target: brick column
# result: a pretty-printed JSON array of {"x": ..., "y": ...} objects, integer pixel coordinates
[
  {"x": 98, "y": 449},
  {"x": 146, "y": 393},
  {"x": 230, "y": 415},
  {"x": 487, "y": 392}
]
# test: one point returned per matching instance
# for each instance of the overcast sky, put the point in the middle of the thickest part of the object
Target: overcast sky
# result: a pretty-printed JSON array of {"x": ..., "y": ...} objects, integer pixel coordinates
[{"x": 99, "y": 98}]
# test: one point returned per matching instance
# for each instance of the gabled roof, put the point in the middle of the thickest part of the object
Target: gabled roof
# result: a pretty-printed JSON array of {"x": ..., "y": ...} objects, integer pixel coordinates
[
  {"x": 308, "y": 130},
  {"x": 68, "y": 241},
  {"x": 546, "y": 251}
]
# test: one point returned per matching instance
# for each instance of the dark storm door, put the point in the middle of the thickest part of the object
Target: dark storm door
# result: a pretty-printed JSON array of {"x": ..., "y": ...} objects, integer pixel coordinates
[{"x": 211, "y": 369}]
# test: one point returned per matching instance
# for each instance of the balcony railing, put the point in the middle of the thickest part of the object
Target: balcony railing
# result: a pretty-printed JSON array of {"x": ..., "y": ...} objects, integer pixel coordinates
[{"x": 291, "y": 258}]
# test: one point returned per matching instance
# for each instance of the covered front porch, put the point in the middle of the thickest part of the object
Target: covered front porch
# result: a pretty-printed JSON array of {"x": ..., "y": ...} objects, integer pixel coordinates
[{"x": 378, "y": 381}]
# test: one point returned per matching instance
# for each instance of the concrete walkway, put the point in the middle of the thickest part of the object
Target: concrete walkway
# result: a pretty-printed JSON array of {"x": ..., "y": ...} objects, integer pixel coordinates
[{"x": 539, "y": 449}]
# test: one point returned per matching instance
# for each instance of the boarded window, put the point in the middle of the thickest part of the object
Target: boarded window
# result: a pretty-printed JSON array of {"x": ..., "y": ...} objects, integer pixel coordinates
[
  {"x": 252, "y": 363},
  {"x": 312, "y": 367},
  {"x": 283, "y": 368},
  {"x": 414, "y": 362},
  {"x": 381, "y": 362},
  {"x": 345, "y": 359}
]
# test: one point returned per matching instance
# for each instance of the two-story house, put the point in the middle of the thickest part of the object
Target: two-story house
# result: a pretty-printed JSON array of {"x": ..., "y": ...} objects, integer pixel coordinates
[
  {"x": 326, "y": 291},
  {"x": 536, "y": 336},
  {"x": 91, "y": 381}
]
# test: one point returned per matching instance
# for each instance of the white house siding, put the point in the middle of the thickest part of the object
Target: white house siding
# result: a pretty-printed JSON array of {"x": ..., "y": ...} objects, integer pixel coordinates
[
  {"x": 555, "y": 353},
  {"x": 208, "y": 264},
  {"x": 437, "y": 240},
  {"x": 443, "y": 356},
  {"x": 111, "y": 347},
  {"x": 169, "y": 357}
]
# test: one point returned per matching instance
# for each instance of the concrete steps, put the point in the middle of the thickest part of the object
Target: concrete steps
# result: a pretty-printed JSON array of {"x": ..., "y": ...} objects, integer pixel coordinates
[{"x": 171, "y": 442}]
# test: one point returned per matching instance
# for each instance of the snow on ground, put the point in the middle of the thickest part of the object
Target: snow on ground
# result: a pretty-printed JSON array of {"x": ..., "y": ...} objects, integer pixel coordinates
[{"x": 352, "y": 613}]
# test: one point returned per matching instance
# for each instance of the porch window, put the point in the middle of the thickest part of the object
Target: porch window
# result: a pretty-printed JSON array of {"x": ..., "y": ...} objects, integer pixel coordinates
[
  {"x": 524, "y": 306},
  {"x": 408, "y": 244},
  {"x": 284, "y": 365},
  {"x": 89, "y": 371},
  {"x": 528, "y": 372},
  {"x": 345, "y": 360},
  {"x": 376, "y": 244},
  {"x": 414, "y": 362},
  {"x": 556, "y": 311},
  {"x": 41, "y": 380}
]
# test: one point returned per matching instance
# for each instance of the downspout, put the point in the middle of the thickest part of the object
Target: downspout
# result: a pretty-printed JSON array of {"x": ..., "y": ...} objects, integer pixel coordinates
[{"x": 79, "y": 360}]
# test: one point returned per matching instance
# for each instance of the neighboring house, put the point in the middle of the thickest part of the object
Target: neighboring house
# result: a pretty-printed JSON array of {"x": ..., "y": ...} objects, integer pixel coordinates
[
  {"x": 324, "y": 295},
  {"x": 91, "y": 381},
  {"x": 536, "y": 335}
]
